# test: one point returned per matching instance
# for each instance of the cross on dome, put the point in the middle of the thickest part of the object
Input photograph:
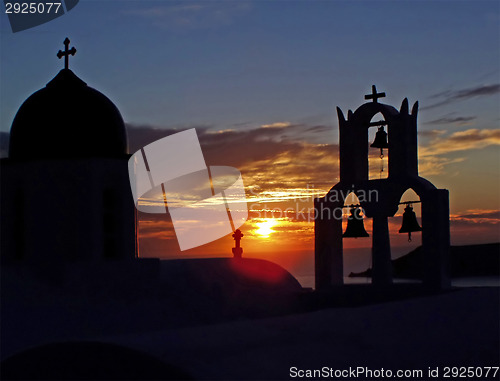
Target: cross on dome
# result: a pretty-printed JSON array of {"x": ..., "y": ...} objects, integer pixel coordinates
[{"x": 66, "y": 53}]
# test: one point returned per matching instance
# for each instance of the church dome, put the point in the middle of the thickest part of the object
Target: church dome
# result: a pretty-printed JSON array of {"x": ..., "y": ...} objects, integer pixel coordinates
[{"x": 67, "y": 119}]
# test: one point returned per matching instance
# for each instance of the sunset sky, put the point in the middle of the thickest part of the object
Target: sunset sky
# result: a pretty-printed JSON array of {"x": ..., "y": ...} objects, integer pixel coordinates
[{"x": 260, "y": 81}]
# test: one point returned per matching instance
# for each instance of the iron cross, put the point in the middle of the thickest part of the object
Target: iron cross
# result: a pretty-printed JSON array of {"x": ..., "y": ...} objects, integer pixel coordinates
[
  {"x": 374, "y": 95},
  {"x": 66, "y": 53}
]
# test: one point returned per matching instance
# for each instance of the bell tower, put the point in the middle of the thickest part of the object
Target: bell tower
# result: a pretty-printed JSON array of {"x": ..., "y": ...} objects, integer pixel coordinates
[{"x": 380, "y": 198}]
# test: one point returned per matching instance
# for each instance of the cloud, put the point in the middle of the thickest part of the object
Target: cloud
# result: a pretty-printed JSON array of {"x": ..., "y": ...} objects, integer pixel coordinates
[
  {"x": 281, "y": 170},
  {"x": 275, "y": 162},
  {"x": 479, "y": 215},
  {"x": 452, "y": 120},
  {"x": 476, "y": 91},
  {"x": 168, "y": 10},
  {"x": 475, "y": 225},
  {"x": 141, "y": 135},
  {"x": 431, "y": 133},
  {"x": 432, "y": 155},
  {"x": 278, "y": 165},
  {"x": 276, "y": 125},
  {"x": 157, "y": 226},
  {"x": 319, "y": 129},
  {"x": 451, "y": 96},
  {"x": 461, "y": 141},
  {"x": 196, "y": 15},
  {"x": 435, "y": 165}
]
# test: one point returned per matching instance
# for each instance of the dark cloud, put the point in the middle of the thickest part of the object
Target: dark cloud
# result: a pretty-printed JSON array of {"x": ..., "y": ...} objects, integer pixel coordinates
[
  {"x": 451, "y": 96},
  {"x": 476, "y": 91},
  {"x": 321, "y": 128},
  {"x": 451, "y": 120},
  {"x": 484, "y": 214},
  {"x": 140, "y": 136},
  {"x": 482, "y": 219},
  {"x": 187, "y": 16},
  {"x": 271, "y": 159},
  {"x": 274, "y": 158}
]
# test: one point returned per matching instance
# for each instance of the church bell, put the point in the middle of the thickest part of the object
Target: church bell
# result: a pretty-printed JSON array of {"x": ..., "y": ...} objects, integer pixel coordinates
[
  {"x": 410, "y": 223},
  {"x": 380, "y": 140},
  {"x": 355, "y": 227}
]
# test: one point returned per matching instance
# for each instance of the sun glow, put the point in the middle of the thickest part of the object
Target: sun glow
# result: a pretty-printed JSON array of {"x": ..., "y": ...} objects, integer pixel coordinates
[{"x": 265, "y": 227}]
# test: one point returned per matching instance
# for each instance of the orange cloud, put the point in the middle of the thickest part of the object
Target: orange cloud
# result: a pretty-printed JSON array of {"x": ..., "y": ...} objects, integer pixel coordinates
[
  {"x": 276, "y": 125},
  {"x": 432, "y": 156},
  {"x": 477, "y": 216},
  {"x": 461, "y": 141}
]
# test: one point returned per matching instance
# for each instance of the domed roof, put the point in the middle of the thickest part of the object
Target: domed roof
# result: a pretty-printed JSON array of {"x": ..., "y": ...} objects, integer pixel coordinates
[{"x": 67, "y": 119}]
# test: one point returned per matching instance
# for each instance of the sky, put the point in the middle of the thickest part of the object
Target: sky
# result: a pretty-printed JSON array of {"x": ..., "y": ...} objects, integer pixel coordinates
[{"x": 260, "y": 80}]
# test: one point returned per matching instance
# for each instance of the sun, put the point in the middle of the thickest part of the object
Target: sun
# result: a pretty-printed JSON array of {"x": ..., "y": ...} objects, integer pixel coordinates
[{"x": 265, "y": 226}]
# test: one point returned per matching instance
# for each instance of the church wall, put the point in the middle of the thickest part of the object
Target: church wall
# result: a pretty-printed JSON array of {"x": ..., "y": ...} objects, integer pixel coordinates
[
  {"x": 53, "y": 212},
  {"x": 12, "y": 208}
]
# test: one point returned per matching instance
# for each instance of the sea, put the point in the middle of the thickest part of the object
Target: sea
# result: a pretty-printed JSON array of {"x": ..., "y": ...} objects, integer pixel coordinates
[{"x": 307, "y": 281}]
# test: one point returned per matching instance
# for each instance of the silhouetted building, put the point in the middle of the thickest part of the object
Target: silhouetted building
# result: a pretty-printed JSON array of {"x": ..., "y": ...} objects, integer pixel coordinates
[
  {"x": 380, "y": 198},
  {"x": 69, "y": 270},
  {"x": 65, "y": 193}
]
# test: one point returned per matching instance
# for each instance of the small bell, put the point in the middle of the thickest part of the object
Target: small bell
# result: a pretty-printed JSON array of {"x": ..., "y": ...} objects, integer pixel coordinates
[
  {"x": 355, "y": 227},
  {"x": 380, "y": 140},
  {"x": 410, "y": 223}
]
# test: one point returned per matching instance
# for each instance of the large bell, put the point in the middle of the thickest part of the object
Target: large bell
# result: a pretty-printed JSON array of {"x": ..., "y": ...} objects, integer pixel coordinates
[
  {"x": 410, "y": 223},
  {"x": 380, "y": 140},
  {"x": 355, "y": 227}
]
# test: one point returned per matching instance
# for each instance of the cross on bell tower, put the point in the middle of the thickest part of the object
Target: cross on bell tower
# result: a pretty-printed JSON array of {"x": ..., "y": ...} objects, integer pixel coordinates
[
  {"x": 374, "y": 95},
  {"x": 66, "y": 53}
]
